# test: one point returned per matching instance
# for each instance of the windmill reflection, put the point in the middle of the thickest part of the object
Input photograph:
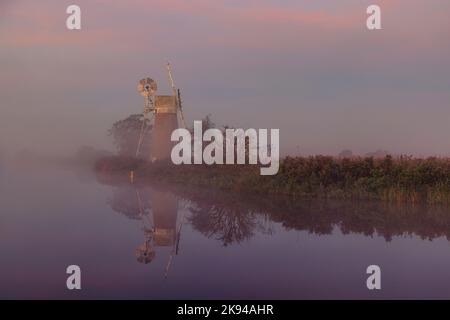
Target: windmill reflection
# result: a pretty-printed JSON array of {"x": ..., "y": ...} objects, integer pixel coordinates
[
  {"x": 225, "y": 220},
  {"x": 145, "y": 253},
  {"x": 158, "y": 213}
]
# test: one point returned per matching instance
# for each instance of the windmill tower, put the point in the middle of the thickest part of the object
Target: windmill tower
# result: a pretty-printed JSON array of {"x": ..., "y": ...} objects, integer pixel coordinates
[{"x": 164, "y": 111}]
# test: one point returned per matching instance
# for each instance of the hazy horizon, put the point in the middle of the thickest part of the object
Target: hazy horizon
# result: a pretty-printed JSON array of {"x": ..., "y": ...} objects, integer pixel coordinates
[{"x": 311, "y": 69}]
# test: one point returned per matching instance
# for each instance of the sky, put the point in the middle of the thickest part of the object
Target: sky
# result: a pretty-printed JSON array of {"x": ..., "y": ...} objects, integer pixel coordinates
[{"x": 308, "y": 68}]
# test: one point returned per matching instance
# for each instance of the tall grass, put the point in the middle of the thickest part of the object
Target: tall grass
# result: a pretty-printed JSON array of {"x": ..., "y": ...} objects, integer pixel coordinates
[{"x": 402, "y": 179}]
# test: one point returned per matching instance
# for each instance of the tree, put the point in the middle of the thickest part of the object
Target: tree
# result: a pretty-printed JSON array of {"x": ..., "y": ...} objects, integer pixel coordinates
[{"x": 126, "y": 133}]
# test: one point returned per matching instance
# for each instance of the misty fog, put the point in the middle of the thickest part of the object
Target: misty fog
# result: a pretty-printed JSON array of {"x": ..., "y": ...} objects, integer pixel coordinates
[{"x": 328, "y": 85}]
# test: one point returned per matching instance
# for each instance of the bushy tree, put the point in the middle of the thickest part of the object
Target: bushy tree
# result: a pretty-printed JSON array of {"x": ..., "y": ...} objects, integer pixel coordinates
[{"x": 126, "y": 132}]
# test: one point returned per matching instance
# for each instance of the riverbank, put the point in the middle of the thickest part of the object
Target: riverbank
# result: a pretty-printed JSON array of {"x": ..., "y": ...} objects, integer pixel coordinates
[{"x": 404, "y": 179}]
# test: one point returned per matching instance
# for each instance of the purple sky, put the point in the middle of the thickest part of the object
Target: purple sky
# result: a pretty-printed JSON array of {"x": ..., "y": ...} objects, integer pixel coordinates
[{"x": 309, "y": 68}]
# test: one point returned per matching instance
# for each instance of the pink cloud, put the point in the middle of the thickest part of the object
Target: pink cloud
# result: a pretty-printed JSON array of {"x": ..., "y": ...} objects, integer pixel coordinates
[
  {"x": 252, "y": 25},
  {"x": 38, "y": 24}
]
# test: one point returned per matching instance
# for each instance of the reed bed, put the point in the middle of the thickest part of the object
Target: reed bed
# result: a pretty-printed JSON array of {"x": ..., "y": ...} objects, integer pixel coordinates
[{"x": 400, "y": 179}]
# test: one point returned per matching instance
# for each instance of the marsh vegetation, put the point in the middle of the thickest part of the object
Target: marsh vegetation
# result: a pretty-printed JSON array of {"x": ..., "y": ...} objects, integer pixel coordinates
[{"x": 401, "y": 179}]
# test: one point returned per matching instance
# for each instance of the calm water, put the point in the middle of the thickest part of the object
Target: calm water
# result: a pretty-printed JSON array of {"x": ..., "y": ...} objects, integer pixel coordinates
[{"x": 144, "y": 241}]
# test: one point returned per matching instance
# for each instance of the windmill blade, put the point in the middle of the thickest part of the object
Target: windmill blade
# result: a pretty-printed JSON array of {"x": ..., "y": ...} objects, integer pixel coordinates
[
  {"x": 143, "y": 132},
  {"x": 174, "y": 250},
  {"x": 172, "y": 83},
  {"x": 176, "y": 93},
  {"x": 169, "y": 263},
  {"x": 147, "y": 87},
  {"x": 141, "y": 138},
  {"x": 180, "y": 107}
]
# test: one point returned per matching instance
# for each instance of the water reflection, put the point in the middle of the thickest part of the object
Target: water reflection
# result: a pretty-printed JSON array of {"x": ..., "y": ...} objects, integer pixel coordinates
[
  {"x": 233, "y": 218},
  {"x": 157, "y": 208},
  {"x": 157, "y": 212},
  {"x": 210, "y": 244}
]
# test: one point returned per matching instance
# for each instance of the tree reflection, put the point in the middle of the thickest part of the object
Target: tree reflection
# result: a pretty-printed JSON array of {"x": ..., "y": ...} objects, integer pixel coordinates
[
  {"x": 233, "y": 218},
  {"x": 228, "y": 225}
]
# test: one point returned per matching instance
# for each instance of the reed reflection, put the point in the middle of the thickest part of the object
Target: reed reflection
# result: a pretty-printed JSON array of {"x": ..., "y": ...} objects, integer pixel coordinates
[
  {"x": 322, "y": 217},
  {"x": 233, "y": 218}
]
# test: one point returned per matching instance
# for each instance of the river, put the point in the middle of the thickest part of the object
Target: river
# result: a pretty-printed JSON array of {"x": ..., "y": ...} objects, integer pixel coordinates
[{"x": 144, "y": 241}]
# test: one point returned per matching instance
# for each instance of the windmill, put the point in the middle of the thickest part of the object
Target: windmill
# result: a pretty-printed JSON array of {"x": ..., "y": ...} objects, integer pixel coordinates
[
  {"x": 147, "y": 88},
  {"x": 164, "y": 110}
]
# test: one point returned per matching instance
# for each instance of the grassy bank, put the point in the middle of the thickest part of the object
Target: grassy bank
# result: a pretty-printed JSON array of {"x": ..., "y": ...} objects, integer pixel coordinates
[{"x": 403, "y": 179}]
